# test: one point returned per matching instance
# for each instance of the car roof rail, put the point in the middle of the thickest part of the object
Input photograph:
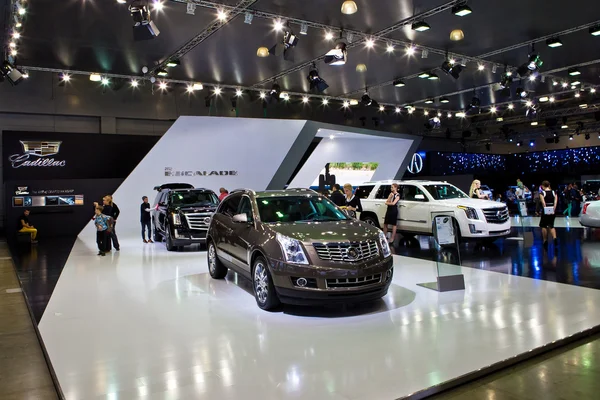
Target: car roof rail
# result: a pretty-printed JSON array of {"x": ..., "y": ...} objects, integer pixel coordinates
[
  {"x": 242, "y": 190},
  {"x": 302, "y": 189}
]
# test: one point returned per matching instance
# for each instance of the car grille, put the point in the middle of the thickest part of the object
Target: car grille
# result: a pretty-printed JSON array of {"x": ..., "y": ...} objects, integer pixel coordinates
[
  {"x": 198, "y": 221},
  {"x": 496, "y": 215},
  {"x": 353, "y": 282},
  {"x": 348, "y": 251}
]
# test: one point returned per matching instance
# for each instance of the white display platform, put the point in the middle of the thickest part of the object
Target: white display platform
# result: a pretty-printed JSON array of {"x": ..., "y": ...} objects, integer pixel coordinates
[{"x": 149, "y": 324}]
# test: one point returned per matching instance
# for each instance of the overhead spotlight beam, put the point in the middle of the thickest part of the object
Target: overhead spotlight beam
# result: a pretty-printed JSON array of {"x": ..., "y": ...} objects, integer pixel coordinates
[{"x": 213, "y": 27}]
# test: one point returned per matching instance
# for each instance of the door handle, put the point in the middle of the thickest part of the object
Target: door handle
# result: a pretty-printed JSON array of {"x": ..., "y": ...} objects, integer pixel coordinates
[{"x": 377, "y": 205}]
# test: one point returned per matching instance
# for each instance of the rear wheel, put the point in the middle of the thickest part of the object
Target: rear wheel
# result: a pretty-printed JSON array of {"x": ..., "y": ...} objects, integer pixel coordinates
[
  {"x": 216, "y": 269},
  {"x": 264, "y": 290},
  {"x": 157, "y": 236}
]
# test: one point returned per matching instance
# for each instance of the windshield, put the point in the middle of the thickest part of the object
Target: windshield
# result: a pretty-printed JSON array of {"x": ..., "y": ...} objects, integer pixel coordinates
[
  {"x": 194, "y": 198},
  {"x": 298, "y": 209},
  {"x": 444, "y": 192}
]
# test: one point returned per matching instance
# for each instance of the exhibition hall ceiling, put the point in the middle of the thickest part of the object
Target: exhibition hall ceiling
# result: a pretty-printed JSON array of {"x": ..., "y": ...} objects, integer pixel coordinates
[{"x": 96, "y": 36}]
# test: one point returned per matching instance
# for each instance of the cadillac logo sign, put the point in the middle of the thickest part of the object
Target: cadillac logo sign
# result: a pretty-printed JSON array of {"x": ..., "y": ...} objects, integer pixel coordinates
[
  {"x": 171, "y": 172},
  {"x": 37, "y": 153},
  {"x": 352, "y": 253}
]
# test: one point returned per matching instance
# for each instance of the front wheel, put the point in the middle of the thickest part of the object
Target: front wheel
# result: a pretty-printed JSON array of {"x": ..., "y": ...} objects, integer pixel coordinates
[
  {"x": 371, "y": 221},
  {"x": 215, "y": 267},
  {"x": 264, "y": 290},
  {"x": 169, "y": 239}
]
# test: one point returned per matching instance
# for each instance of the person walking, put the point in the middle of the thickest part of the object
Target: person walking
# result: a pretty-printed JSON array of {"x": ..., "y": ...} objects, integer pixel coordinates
[
  {"x": 549, "y": 202},
  {"x": 145, "y": 219},
  {"x": 336, "y": 196},
  {"x": 351, "y": 202},
  {"x": 223, "y": 193},
  {"x": 25, "y": 227},
  {"x": 391, "y": 214},
  {"x": 104, "y": 224},
  {"x": 567, "y": 193},
  {"x": 475, "y": 191},
  {"x": 114, "y": 214}
]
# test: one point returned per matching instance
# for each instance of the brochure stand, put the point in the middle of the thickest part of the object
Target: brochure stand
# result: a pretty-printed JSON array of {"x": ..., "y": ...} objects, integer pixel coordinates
[
  {"x": 525, "y": 237},
  {"x": 448, "y": 277}
]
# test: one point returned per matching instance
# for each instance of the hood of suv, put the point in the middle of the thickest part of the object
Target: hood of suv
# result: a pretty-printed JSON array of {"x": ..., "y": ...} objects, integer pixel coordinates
[
  {"x": 474, "y": 203},
  {"x": 338, "y": 231},
  {"x": 197, "y": 209}
]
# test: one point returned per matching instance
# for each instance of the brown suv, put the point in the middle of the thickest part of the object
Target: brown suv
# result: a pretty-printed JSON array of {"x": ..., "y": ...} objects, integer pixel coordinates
[{"x": 297, "y": 247}]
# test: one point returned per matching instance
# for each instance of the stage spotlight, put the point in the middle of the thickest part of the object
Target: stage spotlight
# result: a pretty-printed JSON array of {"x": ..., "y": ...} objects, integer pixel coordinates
[
  {"x": 65, "y": 77},
  {"x": 593, "y": 90},
  {"x": 284, "y": 95},
  {"x": 433, "y": 77},
  {"x": 397, "y": 110},
  {"x": 511, "y": 106},
  {"x": 424, "y": 75},
  {"x": 248, "y": 17},
  {"x": 173, "y": 63},
  {"x": 420, "y": 26},
  {"x": 95, "y": 77},
  {"x": 238, "y": 92},
  {"x": 475, "y": 102},
  {"x": 370, "y": 43},
  {"x": 399, "y": 83},
  {"x": 304, "y": 28},
  {"x": 328, "y": 35},
  {"x": 532, "y": 77},
  {"x": 461, "y": 114},
  {"x": 452, "y": 69},
  {"x": 574, "y": 72},
  {"x": 162, "y": 72},
  {"x": 353, "y": 102},
  {"x": 554, "y": 42},
  {"x": 338, "y": 55},
  {"x": 410, "y": 110},
  {"x": 444, "y": 100},
  {"x": 382, "y": 108},
  {"x": 389, "y": 48},
  {"x": 430, "y": 101},
  {"x": 493, "y": 109},
  {"x": 275, "y": 91},
  {"x": 410, "y": 50},
  {"x": 480, "y": 67},
  {"x": 433, "y": 123},
  {"x": 587, "y": 136},
  {"x": 595, "y": 30},
  {"x": 217, "y": 91},
  {"x": 346, "y": 104},
  {"x": 522, "y": 92},
  {"x": 366, "y": 100},
  {"x": 162, "y": 86},
  {"x": 570, "y": 137},
  {"x": 577, "y": 95},
  {"x": 317, "y": 84},
  {"x": 575, "y": 83},
  {"x": 105, "y": 81},
  {"x": 325, "y": 102},
  {"x": 449, "y": 115},
  {"x": 305, "y": 99},
  {"x": 544, "y": 99},
  {"x": 9, "y": 72},
  {"x": 263, "y": 95},
  {"x": 285, "y": 46},
  {"x": 461, "y": 10},
  {"x": 143, "y": 26},
  {"x": 534, "y": 123}
]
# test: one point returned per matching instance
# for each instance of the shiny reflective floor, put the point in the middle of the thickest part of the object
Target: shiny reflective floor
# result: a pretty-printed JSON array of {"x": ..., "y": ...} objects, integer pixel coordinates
[{"x": 145, "y": 323}]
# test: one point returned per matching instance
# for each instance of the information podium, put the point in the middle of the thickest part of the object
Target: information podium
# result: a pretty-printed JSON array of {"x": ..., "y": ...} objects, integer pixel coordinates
[{"x": 448, "y": 274}]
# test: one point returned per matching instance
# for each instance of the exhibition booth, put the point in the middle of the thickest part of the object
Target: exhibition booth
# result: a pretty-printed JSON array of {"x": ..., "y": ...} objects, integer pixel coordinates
[{"x": 144, "y": 317}]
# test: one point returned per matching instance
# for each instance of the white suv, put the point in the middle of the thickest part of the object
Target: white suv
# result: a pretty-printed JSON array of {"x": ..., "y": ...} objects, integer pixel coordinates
[{"x": 475, "y": 218}]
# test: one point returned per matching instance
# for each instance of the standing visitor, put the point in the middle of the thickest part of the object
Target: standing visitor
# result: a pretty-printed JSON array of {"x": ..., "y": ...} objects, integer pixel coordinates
[
  {"x": 223, "y": 193},
  {"x": 475, "y": 191},
  {"x": 104, "y": 224},
  {"x": 549, "y": 202},
  {"x": 567, "y": 193},
  {"x": 114, "y": 214},
  {"x": 336, "y": 196},
  {"x": 391, "y": 214},
  {"x": 351, "y": 202},
  {"x": 145, "y": 220},
  {"x": 25, "y": 227}
]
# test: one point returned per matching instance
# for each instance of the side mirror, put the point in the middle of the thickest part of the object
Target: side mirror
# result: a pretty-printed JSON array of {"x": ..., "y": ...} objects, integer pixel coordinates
[
  {"x": 240, "y": 218},
  {"x": 419, "y": 197}
]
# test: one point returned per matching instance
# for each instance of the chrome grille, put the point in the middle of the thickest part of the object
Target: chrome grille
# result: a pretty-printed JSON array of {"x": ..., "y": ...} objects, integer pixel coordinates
[
  {"x": 353, "y": 282},
  {"x": 347, "y": 251},
  {"x": 198, "y": 221},
  {"x": 496, "y": 215}
]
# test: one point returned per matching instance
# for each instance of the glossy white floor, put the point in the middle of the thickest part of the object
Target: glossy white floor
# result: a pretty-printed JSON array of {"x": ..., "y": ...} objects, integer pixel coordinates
[
  {"x": 145, "y": 323},
  {"x": 534, "y": 222}
]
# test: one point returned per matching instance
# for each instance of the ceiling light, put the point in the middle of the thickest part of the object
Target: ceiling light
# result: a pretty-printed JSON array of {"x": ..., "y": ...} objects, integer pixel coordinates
[
  {"x": 390, "y": 48},
  {"x": 197, "y": 86},
  {"x": 457, "y": 35},
  {"x": 593, "y": 90},
  {"x": 173, "y": 63},
  {"x": 577, "y": 94},
  {"x": 346, "y": 104},
  {"x": 217, "y": 90},
  {"x": 337, "y": 55},
  {"x": 25, "y": 75},
  {"x": 353, "y": 102},
  {"x": 304, "y": 28},
  {"x": 397, "y": 110},
  {"x": 248, "y": 17},
  {"x": 325, "y": 102},
  {"x": 425, "y": 112},
  {"x": 564, "y": 127},
  {"x": 134, "y": 83},
  {"x": 510, "y": 106},
  {"x": 411, "y": 110},
  {"x": 370, "y": 43},
  {"x": 262, "y": 52},
  {"x": 481, "y": 67},
  {"x": 162, "y": 86},
  {"x": 570, "y": 137},
  {"x": 263, "y": 95},
  {"x": 519, "y": 143},
  {"x": 18, "y": 24},
  {"x": 410, "y": 50},
  {"x": 238, "y": 92},
  {"x": 278, "y": 25},
  {"x": 162, "y": 72},
  {"x": 105, "y": 81},
  {"x": 420, "y": 26},
  {"x": 499, "y": 119},
  {"x": 565, "y": 84},
  {"x": 381, "y": 108},
  {"x": 544, "y": 99},
  {"x": 554, "y": 83},
  {"x": 531, "y": 143},
  {"x": 451, "y": 68},
  {"x": 21, "y": 11},
  {"x": 522, "y": 92},
  {"x": 430, "y": 101},
  {"x": 575, "y": 83},
  {"x": 439, "y": 114},
  {"x": 12, "y": 45},
  {"x": 13, "y": 52},
  {"x": 460, "y": 10},
  {"x": 16, "y": 35},
  {"x": 444, "y": 100},
  {"x": 528, "y": 103},
  {"x": 305, "y": 99},
  {"x": 284, "y": 95},
  {"x": 317, "y": 83},
  {"x": 157, "y": 5},
  {"x": 328, "y": 35},
  {"x": 493, "y": 109},
  {"x": 460, "y": 115},
  {"x": 552, "y": 99},
  {"x": 554, "y": 42},
  {"x": 532, "y": 77},
  {"x": 221, "y": 15},
  {"x": 534, "y": 123},
  {"x": 361, "y": 68},
  {"x": 574, "y": 72},
  {"x": 399, "y": 83},
  {"x": 349, "y": 7},
  {"x": 433, "y": 77},
  {"x": 95, "y": 78},
  {"x": 65, "y": 77},
  {"x": 595, "y": 30}
]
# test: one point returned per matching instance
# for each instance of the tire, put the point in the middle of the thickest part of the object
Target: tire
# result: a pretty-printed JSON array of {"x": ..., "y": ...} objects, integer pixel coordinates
[
  {"x": 262, "y": 283},
  {"x": 369, "y": 219},
  {"x": 216, "y": 269},
  {"x": 169, "y": 240},
  {"x": 157, "y": 236}
]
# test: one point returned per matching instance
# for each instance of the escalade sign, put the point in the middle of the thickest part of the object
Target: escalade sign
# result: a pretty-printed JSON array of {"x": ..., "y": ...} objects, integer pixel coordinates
[
  {"x": 171, "y": 172},
  {"x": 37, "y": 153}
]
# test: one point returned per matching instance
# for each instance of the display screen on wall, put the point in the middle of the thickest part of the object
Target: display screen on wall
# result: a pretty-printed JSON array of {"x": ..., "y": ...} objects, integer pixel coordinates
[
  {"x": 580, "y": 160},
  {"x": 354, "y": 173},
  {"x": 466, "y": 163}
]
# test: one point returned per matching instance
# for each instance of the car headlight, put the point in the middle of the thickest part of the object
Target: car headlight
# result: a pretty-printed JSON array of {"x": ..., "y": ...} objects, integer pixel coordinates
[
  {"x": 385, "y": 246},
  {"x": 292, "y": 250},
  {"x": 471, "y": 212},
  {"x": 176, "y": 219}
]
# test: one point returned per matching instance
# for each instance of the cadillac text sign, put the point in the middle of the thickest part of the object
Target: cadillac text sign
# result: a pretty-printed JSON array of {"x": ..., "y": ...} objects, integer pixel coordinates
[
  {"x": 37, "y": 153},
  {"x": 172, "y": 172}
]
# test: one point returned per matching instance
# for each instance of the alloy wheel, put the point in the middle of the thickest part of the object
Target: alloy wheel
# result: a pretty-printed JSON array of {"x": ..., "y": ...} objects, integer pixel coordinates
[
  {"x": 261, "y": 283},
  {"x": 212, "y": 258}
]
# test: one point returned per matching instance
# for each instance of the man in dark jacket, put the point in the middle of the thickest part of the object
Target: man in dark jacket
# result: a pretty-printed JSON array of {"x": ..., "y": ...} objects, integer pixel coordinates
[
  {"x": 337, "y": 196},
  {"x": 111, "y": 209},
  {"x": 145, "y": 219}
]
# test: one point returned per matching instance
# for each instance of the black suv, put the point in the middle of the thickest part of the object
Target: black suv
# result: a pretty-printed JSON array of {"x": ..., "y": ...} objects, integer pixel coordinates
[{"x": 181, "y": 216}]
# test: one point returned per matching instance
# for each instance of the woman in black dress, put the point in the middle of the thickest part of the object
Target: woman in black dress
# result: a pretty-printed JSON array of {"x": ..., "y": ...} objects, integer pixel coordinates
[
  {"x": 549, "y": 203},
  {"x": 352, "y": 203},
  {"x": 391, "y": 214},
  {"x": 475, "y": 191}
]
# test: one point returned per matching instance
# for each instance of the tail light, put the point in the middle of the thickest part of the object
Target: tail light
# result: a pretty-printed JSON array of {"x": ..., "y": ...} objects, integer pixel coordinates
[{"x": 585, "y": 206}]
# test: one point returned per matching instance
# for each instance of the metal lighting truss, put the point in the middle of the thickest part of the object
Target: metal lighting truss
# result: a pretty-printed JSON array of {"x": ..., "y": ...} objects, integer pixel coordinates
[
  {"x": 233, "y": 11},
  {"x": 10, "y": 14}
]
